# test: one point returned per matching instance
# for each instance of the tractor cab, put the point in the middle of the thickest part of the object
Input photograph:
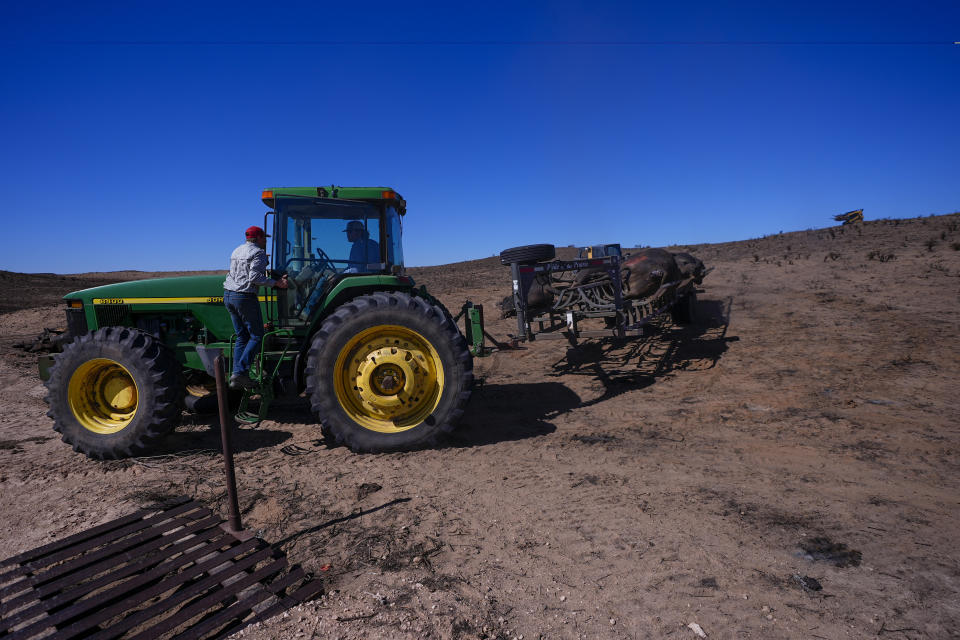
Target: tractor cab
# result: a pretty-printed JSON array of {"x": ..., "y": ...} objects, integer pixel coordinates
[{"x": 328, "y": 234}]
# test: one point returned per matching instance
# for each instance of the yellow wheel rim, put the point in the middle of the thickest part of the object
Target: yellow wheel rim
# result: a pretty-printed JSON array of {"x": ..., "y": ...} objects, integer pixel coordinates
[
  {"x": 388, "y": 378},
  {"x": 201, "y": 390},
  {"x": 103, "y": 396}
]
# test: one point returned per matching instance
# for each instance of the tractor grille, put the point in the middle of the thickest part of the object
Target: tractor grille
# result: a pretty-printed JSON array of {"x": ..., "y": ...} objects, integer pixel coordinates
[
  {"x": 112, "y": 315},
  {"x": 76, "y": 323}
]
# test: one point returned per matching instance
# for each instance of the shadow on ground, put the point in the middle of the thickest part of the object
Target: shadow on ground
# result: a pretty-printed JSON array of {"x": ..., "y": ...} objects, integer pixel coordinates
[
  {"x": 623, "y": 365},
  {"x": 504, "y": 412},
  {"x": 359, "y": 513},
  {"x": 204, "y": 434}
]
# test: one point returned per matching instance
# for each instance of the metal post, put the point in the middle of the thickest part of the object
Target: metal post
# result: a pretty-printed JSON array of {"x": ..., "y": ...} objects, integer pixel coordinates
[
  {"x": 616, "y": 277},
  {"x": 519, "y": 302},
  {"x": 233, "y": 523}
]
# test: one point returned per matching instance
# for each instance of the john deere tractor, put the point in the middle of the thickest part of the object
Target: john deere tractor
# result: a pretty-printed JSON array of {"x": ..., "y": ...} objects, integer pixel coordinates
[{"x": 382, "y": 362}]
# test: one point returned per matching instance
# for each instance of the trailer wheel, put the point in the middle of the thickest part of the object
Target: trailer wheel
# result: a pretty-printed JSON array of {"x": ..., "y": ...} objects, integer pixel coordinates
[
  {"x": 113, "y": 393},
  {"x": 684, "y": 310},
  {"x": 529, "y": 253},
  {"x": 387, "y": 372}
]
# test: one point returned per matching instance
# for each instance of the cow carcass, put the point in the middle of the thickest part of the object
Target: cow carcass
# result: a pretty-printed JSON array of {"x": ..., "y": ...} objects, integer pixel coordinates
[
  {"x": 645, "y": 271},
  {"x": 540, "y": 295},
  {"x": 690, "y": 267}
]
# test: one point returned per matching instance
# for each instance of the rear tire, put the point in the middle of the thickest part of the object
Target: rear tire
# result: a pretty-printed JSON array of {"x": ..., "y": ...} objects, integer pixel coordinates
[
  {"x": 528, "y": 254},
  {"x": 388, "y": 372},
  {"x": 114, "y": 393}
]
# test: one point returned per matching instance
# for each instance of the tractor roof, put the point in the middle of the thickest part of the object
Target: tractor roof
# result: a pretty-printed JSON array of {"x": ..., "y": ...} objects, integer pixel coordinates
[{"x": 333, "y": 191}]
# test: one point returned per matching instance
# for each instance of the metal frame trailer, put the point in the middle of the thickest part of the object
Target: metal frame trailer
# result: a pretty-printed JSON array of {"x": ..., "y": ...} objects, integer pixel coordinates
[{"x": 598, "y": 296}]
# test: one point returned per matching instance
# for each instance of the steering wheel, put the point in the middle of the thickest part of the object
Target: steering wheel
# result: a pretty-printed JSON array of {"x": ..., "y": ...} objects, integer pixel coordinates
[
  {"x": 319, "y": 266},
  {"x": 292, "y": 280},
  {"x": 325, "y": 261}
]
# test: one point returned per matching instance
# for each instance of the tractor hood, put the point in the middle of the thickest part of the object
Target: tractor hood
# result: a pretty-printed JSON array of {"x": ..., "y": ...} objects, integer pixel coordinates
[
  {"x": 124, "y": 303},
  {"x": 185, "y": 289}
]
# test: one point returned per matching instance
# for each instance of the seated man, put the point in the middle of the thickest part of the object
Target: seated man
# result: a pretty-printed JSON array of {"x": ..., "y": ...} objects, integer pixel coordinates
[{"x": 364, "y": 250}]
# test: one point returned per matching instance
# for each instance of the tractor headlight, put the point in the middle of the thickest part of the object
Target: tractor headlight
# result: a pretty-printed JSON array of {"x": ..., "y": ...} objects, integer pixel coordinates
[{"x": 76, "y": 319}]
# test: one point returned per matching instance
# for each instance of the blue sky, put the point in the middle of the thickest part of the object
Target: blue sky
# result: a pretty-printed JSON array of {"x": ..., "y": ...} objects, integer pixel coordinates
[{"x": 139, "y": 135}]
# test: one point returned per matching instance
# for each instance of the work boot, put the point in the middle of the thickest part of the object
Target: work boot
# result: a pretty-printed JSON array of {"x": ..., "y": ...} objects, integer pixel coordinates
[{"x": 242, "y": 381}]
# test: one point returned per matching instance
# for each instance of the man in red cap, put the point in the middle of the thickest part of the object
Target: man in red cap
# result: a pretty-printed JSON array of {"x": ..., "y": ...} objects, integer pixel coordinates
[{"x": 248, "y": 270}]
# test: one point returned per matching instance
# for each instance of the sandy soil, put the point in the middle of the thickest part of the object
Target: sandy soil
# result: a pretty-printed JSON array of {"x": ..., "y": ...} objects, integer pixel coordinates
[{"x": 611, "y": 491}]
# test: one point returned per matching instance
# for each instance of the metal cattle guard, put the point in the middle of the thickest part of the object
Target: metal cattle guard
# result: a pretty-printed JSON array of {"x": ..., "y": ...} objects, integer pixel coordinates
[
  {"x": 174, "y": 572},
  {"x": 158, "y": 573}
]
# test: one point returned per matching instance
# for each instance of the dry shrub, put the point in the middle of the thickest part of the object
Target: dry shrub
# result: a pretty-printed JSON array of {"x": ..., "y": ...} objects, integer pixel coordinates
[{"x": 882, "y": 256}]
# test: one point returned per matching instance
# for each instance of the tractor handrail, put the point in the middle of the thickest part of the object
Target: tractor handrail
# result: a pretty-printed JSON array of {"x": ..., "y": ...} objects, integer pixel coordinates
[{"x": 287, "y": 332}]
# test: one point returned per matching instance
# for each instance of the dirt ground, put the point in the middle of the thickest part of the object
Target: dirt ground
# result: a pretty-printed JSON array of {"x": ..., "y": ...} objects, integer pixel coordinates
[{"x": 803, "y": 432}]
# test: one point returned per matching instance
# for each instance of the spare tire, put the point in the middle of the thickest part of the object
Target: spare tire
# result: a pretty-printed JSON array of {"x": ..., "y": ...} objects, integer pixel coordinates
[{"x": 528, "y": 254}]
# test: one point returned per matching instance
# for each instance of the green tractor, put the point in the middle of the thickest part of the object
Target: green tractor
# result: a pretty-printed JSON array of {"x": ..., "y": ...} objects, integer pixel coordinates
[{"x": 382, "y": 362}]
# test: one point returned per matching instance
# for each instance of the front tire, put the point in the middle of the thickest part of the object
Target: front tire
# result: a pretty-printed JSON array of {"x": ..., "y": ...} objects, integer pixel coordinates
[
  {"x": 114, "y": 392},
  {"x": 388, "y": 372}
]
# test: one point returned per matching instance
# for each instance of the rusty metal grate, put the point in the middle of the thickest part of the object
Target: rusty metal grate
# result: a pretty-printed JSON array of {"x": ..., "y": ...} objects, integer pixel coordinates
[{"x": 169, "y": 572}]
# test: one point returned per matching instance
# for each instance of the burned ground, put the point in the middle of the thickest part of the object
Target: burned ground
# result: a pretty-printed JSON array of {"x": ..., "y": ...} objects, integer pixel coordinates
[{"x": 801, "y": 434}]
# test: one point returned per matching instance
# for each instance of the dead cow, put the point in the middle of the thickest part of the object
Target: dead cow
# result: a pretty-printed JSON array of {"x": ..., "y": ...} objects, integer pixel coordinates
[
  {"x": 690, "y": 266},
  {"x": 540, "y": 295},
  {"x": 644, "y": 271}
]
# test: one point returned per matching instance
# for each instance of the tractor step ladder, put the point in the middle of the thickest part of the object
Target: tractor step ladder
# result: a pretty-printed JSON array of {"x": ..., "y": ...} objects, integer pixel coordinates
[{"x": 262, "y": 374}]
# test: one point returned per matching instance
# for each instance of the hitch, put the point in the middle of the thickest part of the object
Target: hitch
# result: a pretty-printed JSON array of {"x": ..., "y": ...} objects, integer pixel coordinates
[
  {"x": 472, "y": 315},
  {"x": 476, "y": 333}
]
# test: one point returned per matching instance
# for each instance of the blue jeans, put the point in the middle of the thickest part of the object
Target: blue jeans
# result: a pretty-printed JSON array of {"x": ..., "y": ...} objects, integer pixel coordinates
[{"x": 244, "y": 310}]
